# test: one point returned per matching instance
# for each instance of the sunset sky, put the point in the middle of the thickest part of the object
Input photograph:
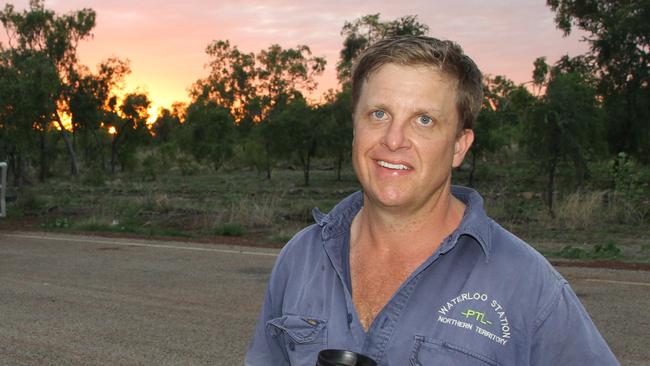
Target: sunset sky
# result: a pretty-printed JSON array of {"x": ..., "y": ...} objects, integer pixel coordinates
[{"x": 165, "y": 40}]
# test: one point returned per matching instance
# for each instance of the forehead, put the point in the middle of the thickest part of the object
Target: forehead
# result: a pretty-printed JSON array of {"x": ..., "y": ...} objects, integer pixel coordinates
[{"x": 416, "y": 86}]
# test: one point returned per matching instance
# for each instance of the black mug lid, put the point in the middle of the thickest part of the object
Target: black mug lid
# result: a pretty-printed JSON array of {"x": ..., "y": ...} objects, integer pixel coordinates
[{"x": 338, "y": 357}]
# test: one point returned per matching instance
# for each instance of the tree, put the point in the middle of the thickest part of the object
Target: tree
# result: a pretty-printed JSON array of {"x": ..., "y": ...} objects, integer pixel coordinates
[
  {"x": 168, "y": 123},
  {"x": 130, "y": 129},
  {"x": 30, "y": 85},
  {"x": 231, "y": 82},
  {"x": 337, "y": 127},
  {"x": 300, "y": 126},
  {"x": 255, "y": 88},
  {"x": 208, "y": 132},
  {"x": 502, "y": 114},
  {"x": 54, "y": 39},
  {"x": 89, "y": 95},
  {"x": 619, "y": 37},
  {"x": 368, "y": 29},
  {"x": 566, "y": 123}
]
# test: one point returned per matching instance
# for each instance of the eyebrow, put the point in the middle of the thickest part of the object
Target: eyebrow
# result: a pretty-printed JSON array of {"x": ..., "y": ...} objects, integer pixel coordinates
[{"x": 432, "y": 112}]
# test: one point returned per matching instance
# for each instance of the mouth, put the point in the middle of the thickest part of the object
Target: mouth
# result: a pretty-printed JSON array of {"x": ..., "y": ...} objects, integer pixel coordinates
[{"x": 393, "y": 166}]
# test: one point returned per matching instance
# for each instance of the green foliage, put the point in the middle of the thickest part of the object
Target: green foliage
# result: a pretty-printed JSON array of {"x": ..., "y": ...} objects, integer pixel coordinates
[
  {"x": 620, "y": 47},
  {"x": 58, "y": 223},
  {"x": 336, "y": 122},
  {"x": 167, "y": 125},
  {"x": 608, "y": 251},
  {"x": 229, "y": 229},
  {"x": 89, "y": 101},
  {"x": 250, "y": 152},
  {"x": 29, "y": 202},
  {"x": 150, "y": 167},
  {"x": 131, "y": 130},
  {"x": 571, "y": 252},
  {"x": 299, "y": 131},
  {"x": 566, "y": 123},
  {"x": 94, "y": 177},
  {"x": 43, "y": 45},
  {"x": 366, "y": 30},
  {"x": 626, "y": 175},
  {"x": 187, "y": 165},
  {"x": 208, "y": 132}
]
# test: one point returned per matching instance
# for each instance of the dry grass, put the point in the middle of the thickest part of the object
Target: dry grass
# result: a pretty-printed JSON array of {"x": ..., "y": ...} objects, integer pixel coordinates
[
  {"x": 580, "y": 209},
  {"x": 256, "y": 211},
  {"x": 589, "y": 209}
]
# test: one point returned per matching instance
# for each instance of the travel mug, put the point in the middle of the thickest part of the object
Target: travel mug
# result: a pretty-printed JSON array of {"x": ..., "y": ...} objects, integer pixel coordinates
[{"x": 338, "y": 357}]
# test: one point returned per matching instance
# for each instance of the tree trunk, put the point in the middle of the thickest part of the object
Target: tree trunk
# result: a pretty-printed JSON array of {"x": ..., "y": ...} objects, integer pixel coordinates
[
  {"x": 43, "y": 168},
  {"x": 100, "y": 152},
  {"x": 305, "y": 168},
  {"x": 16, "y": 168},
  {"x": 268, "y": 161},
  {"x": 113, "y": 153},
  {"x": 550, "y": 187},
  {"x": 339, "y": 163},
  {"x": 74, "y": 167}
]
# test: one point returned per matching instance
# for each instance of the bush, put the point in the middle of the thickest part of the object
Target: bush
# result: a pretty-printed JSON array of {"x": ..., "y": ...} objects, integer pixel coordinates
[
  {"x": 607, "y": 251},
  {"x": 28, "y": 202},
  {"x": 150, "y": 168},
  {"x": 571, "y": 252},
  {"x": 94, "y": 177},
  {"x": 229, "y": 229}
]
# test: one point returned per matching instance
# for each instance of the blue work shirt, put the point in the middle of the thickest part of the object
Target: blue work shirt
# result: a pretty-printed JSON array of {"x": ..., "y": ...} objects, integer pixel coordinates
[{"x": 484, "y": 297}]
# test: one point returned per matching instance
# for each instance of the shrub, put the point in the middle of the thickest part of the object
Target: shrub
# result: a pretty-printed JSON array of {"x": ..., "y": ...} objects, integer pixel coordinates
[
  {"x": 571, "y": 252},
  {"x": 607, "y": 251},
  {"x": 230, "y": 229}
]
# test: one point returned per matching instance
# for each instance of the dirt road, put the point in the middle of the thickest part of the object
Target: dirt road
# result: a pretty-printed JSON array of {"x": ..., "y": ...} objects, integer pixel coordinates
[{"x": 75, "y": 300}]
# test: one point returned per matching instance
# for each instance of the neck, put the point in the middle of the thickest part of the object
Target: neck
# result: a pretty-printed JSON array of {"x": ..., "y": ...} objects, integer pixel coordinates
[{"x": 403, "y": 231}]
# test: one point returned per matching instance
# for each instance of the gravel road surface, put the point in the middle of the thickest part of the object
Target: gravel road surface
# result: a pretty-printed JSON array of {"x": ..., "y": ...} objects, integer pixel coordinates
[{"x": 78, "y": 300}]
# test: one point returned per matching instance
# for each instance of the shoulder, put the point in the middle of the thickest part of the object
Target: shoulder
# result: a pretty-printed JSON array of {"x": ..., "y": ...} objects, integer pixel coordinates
[
  {"x": 525, "y": 269},
  {"x": 302, "y": 246}
]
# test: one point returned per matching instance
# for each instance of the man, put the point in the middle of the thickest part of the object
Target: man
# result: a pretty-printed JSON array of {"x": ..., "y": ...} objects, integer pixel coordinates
[{"x": 411, "y": 271}]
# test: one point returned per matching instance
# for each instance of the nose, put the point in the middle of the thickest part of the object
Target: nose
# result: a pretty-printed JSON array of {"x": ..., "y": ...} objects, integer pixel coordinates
[{"x": 394, "y": 137}]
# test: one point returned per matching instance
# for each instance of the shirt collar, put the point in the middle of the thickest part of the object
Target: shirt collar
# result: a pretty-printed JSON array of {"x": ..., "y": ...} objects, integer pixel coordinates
[{"x": 475, "y": 222}]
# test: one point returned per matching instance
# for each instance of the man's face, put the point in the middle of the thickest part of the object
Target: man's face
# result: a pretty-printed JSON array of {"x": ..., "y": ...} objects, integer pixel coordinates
[{"x": 406, "y": 137}]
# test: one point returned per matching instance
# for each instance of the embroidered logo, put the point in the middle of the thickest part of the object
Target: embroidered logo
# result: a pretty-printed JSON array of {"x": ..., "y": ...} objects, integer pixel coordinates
[
  {"x": 491, "y": 321},
  {"x": 469, "y": 313}
]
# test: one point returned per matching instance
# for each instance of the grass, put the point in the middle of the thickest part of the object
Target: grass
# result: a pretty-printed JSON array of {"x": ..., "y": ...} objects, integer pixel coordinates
[
  {"x": 590, "y": 223},
  {"x": 230, "y": 229}
]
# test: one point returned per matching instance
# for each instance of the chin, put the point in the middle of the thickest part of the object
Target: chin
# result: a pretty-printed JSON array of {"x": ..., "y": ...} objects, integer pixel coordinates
[{"x": 388, "y": 198}]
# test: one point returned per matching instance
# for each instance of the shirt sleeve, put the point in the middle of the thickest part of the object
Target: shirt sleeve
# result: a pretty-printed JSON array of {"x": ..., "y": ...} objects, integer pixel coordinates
[{"x": 566, "y": 335}]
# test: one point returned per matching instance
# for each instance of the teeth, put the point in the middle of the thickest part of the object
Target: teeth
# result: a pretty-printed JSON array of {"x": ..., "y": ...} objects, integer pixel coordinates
[{"x": 392, "y": 166}]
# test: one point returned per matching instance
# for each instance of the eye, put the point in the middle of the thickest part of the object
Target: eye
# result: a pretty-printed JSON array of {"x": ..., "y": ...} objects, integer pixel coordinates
[
  {"x": 425, "y": 120},
  {"x": 379, "y": 115}
]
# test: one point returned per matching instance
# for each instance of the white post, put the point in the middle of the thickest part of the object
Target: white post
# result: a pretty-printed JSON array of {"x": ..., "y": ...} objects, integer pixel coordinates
[{"x": 3, "y": 189}]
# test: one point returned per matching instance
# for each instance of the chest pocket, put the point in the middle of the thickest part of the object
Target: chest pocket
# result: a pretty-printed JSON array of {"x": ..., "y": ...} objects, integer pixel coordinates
[
  {"x": 430, "y": 351},
  {"x": 303, "y": 337}
]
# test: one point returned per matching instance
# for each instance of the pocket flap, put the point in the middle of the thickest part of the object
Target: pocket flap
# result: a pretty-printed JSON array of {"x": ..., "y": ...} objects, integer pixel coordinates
[{"x": 300, "y": 329}]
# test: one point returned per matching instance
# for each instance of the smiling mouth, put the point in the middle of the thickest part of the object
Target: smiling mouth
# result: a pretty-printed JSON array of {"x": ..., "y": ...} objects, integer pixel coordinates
[{"x": 388, "y": 165}]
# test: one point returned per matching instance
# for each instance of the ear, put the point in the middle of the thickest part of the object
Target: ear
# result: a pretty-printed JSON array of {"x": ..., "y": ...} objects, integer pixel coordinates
[{"x": 461, "y": 146}]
